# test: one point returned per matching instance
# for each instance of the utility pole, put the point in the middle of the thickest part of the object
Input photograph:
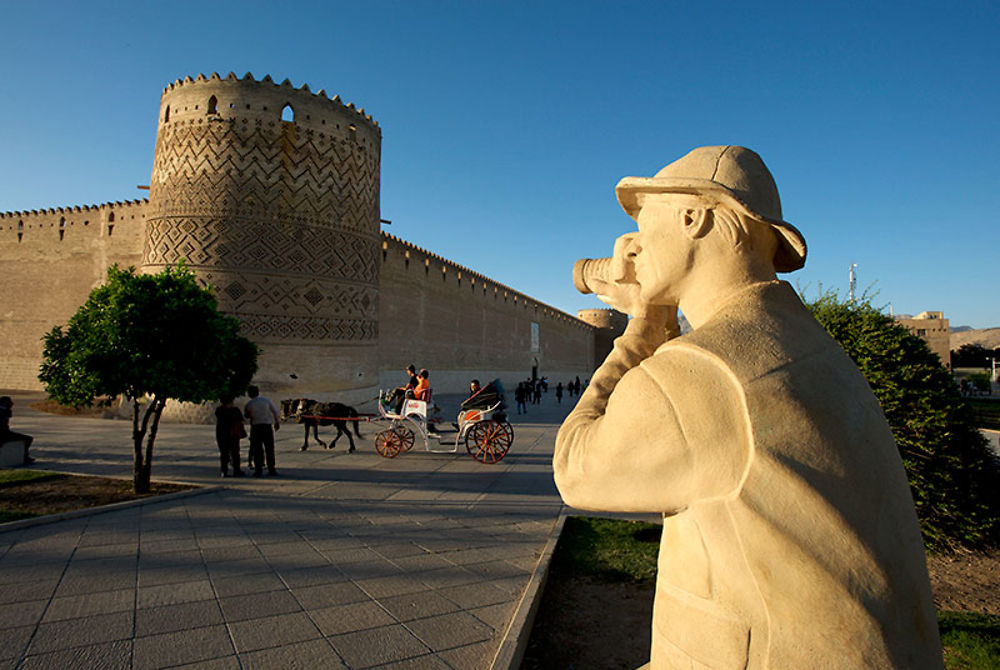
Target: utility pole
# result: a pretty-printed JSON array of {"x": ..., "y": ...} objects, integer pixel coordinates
[{"x": 854, "y": 282}]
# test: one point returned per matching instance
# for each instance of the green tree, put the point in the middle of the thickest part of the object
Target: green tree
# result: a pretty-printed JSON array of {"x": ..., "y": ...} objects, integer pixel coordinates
[
  {"x": 148, "y": 338},
  {"x": 971, "y": 356},
  {"x": 953, "y": 475}
]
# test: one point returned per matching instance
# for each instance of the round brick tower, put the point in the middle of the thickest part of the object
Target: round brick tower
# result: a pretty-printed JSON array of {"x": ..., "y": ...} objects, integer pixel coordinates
[
  {"x": 271, "y": 194},
  {"x": 608, "y": 324}
]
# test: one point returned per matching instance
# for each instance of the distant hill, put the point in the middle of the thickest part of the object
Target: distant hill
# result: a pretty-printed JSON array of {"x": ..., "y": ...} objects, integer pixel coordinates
[
  {"x": 986, "y": 337},
  {"x": 960, "y": 329}
]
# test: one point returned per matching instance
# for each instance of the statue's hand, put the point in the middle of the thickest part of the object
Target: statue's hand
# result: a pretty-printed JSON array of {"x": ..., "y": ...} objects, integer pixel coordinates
[{"x": 621, "y": 291}]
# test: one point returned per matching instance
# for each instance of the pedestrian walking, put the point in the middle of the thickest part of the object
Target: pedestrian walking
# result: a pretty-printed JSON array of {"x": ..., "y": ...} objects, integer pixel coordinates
[
  {"x": 519, "y": 396},
  {"x": 559, "y": 392},
  {"x": 263, "y": 415},
  {"x": 229, "y": 430}
]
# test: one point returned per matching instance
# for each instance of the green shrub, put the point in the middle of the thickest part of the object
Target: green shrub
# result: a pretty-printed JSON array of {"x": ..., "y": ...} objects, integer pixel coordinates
[{"x": 953, "y": 475}]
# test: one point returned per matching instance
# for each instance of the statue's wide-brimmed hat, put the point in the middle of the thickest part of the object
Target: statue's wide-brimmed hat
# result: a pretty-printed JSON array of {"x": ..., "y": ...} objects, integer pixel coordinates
[{"x": 736, "y": 176}]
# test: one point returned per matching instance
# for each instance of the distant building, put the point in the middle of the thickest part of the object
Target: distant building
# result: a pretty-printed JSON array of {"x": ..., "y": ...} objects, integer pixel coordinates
[{"x": 933, "y": 329}]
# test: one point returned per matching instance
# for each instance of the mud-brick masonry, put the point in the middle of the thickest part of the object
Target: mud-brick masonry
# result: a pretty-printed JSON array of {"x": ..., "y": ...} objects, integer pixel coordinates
[{"x": 270, "y": 193}]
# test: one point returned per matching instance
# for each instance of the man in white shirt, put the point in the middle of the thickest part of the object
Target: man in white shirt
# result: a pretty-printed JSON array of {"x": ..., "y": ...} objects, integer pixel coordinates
[{"x": 263, "y": 415}]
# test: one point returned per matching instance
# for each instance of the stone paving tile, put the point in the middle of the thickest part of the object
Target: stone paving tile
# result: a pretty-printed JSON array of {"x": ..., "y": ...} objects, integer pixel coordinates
[
  {"x": 470, "y": 657},
  {"x": 71, "y": 633},
  {"x": 100, "y": 551},
  {"x": 80, "y": 584},
  {"x": 100, "y": 568},
  {"x": 312, "y": 559},
  {"x": 497, "y": 571},
  {"x": 171, "y": 574},
  {"x": 417, "y": 605},
  {"x": 172, "y": 618},
  {"x": 285, "y": 548},
  {"x": 173, "y": 594},
  {"x": 468, "y": 596},
  {"x": 22, "y": 614},
  {"x": 39, "y": 590},
  {"x": 421, "y": 563},
  {"x": 343, "y": 555},
  {"x": 450, "y": 630},
  {"x": 393, "y": 585},
  {"x": 447, "y": 577},
  {"x": 378, "y": 646},
  {"x": 428, "y": 662},
  {"x": 274, "y": 631},
  {"x": 240, "y": 608},
  {"x": 242, "y": 585},
  {"x": 224, "y": 541},
  {"x": 224, "y": 663},
  {"x": 496, "y": 616},
  {"x": 400, "y": 550},
  {"x": 230, "y": 553},
  {"x": 241, "y": 567},
  {"x": 326, "y": 574},
  {"x": 19, "y": 573},
  {"x": 303, "y": 656},
  {"x": 327, "y": 595},
  {"x": 13, "y": 641},
  {"x": 108, "y": 655},
  {"x": 163, "y": 547},
  {"x": 72, "y": 607},
  {"x": 189, "y": 646},
  {"x": 349, "y": 618}
]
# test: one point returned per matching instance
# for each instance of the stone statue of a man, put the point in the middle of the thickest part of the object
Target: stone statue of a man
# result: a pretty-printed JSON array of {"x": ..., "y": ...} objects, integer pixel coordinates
[{"x": 789, "y": 534}]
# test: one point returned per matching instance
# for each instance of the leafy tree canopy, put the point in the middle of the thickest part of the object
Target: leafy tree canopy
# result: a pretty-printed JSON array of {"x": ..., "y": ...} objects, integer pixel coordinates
[
  {"x": 973, "y": 356},
  {"x": 953, "y": 475},
  {"x": 137, "y": 335}
]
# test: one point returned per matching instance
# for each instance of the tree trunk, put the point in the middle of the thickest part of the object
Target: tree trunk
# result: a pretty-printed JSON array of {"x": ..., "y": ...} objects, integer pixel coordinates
[
  {"x": 142, "y": 466},
  {"x": 140, "y": 470}
]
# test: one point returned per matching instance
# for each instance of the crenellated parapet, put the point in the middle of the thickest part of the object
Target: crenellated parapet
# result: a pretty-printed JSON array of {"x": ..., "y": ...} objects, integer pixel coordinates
[
  {"x": 248, "y": 100},
  {"x": 446, "y": 271},
  {"x": 73, "y": 224}
]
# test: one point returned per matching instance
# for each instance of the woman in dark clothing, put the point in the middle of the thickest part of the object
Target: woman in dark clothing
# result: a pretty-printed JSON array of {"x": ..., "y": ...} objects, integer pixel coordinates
[{"x": 229, "y": 430}]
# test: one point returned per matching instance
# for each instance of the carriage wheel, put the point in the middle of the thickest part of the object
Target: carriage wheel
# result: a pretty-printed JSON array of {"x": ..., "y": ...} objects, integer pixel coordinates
[
  {"x": 488, "y": 441},
  {"x": 388, "y": 443},
  {"x": 405, "y": 438}
]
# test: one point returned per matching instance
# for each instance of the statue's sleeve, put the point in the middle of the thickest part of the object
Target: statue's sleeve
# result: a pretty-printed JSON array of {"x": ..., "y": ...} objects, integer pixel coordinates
[{"x": 652, "y": 433}]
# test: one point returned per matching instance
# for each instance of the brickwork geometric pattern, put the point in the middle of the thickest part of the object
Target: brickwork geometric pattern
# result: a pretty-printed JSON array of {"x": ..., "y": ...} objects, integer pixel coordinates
[{"x": 281, "y": 220}]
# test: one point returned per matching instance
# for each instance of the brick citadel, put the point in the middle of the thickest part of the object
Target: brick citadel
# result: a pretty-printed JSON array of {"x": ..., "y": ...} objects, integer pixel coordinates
[{"x": 270, "y": 193}]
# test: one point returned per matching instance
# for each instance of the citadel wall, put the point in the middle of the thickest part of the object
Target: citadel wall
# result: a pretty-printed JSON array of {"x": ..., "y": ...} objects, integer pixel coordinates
[
  {"x": 271, "y": 194},
  {"x": 50, "y": 260},
  {"x": 435, "y": 313},
  {"x": 462, "y": 325}
]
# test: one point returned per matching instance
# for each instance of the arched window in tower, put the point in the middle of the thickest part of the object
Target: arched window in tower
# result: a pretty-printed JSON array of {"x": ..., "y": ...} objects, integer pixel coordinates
[
  {"x": 213, "y": 105},
  {"x": 166, "y": 115},
  {"x": 288, "y": 114}
]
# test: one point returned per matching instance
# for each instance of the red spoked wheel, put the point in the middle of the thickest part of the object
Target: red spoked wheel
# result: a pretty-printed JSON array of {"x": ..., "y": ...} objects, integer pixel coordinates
[
  {"x": 489, "y": 441},
  {"x": 405, "y": 438},
  {"x": 388, "y": 443}
]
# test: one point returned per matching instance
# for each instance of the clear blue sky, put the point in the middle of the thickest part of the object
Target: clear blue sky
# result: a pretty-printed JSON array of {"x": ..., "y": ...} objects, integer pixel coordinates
[{"x": 506, "y": 125}]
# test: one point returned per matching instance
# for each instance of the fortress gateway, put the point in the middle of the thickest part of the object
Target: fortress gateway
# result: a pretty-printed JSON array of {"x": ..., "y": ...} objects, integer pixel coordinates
[{"x": 282, "y": 218}]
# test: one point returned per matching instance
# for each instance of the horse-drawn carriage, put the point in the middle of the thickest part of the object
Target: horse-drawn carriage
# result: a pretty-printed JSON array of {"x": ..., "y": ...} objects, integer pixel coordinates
[{"x": 482, "y": 427}]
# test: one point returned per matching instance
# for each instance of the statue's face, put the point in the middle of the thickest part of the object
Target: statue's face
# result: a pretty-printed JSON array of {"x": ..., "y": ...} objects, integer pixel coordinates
[{"x": 662, "y": 252}]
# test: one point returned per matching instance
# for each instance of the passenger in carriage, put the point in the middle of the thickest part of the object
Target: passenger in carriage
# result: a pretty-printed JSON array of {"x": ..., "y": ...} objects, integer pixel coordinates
[
  {"x": 480, "y": 398},
  {"x": 399, "y": 394},
  {"x": 423, "y": 388}
]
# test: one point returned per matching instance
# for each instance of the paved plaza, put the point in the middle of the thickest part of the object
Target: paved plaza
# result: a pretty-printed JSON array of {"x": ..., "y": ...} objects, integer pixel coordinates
[{"x": 350, "y": 561}]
